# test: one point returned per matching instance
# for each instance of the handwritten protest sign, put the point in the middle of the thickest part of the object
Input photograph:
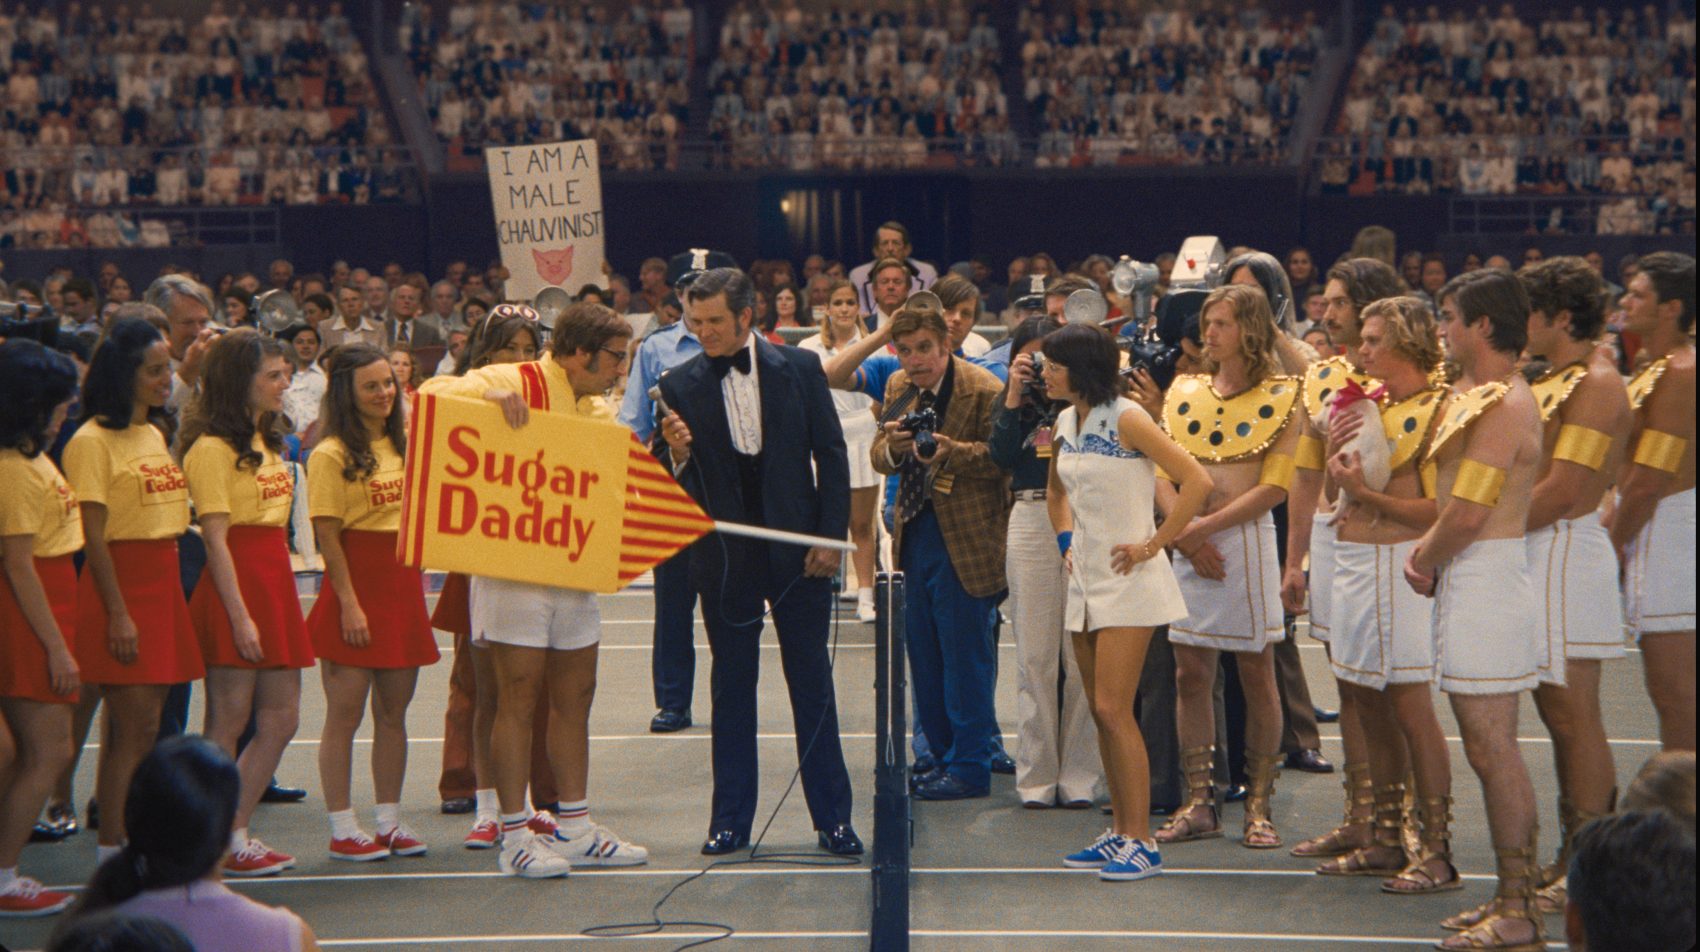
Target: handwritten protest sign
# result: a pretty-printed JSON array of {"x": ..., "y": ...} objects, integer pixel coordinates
[
  {"x": 566, "y": 501},
  {"x": 549, "y": 224}
]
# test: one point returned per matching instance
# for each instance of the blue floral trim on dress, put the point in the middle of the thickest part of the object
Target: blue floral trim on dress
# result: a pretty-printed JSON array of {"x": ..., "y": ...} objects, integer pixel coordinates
[{"x": 1093, "y": 443}]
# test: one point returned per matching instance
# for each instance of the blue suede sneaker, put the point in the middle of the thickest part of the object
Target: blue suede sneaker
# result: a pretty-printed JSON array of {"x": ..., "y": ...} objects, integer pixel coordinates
[
  {"x": 1136, "y": 859},
  {"x": 1102, "y": 850}
]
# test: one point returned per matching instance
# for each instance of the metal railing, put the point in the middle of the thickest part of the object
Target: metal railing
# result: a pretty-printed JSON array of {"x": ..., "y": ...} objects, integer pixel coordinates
[
  {"x": 55, "y": 165},
  {"x": 1565, "y": 215},
  {"x": 132, "y": 226}
]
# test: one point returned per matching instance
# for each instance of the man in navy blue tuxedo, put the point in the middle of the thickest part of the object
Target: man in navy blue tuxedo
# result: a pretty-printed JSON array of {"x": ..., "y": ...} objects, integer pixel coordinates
[{"x": 754, "y": 438}]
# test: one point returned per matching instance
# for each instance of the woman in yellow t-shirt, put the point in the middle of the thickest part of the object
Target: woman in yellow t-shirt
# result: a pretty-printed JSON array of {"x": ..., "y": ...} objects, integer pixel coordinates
[
  {"x": 369, "y": 625},
  {"x": 39, "y": 530},
  {"x": 252, "y": 635},
  {"x": 134, "y": 639}
]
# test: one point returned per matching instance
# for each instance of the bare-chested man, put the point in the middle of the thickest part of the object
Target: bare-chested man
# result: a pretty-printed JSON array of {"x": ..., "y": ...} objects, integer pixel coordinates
[
  {"x": 1237, "y": 421},
  {"x": 1653, "y": 525},
  {"x": 1352, "y": 285},
  {"x": 1487, "y": 454},
  {"x": 1586, "y": 412},
  {"x": 1383, "y": 648}
]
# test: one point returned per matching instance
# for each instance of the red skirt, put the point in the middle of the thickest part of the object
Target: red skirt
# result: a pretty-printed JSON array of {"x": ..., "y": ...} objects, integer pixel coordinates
[
  {"x": 23, "y": 662},
  {"x": 267, "y": 584},
  {"x": 454, "y": 605},
  {"x": 393, "y": 598},
  {"x": 152, "y": 586}
]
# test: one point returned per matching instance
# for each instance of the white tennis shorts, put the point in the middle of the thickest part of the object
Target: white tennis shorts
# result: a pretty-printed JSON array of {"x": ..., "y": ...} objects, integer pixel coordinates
[{"x": 533, "y": 616}]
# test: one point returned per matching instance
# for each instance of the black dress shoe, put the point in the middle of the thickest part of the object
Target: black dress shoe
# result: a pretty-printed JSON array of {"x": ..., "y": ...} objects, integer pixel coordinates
[
  {"x": 1326, "y": 716},
  {"x": 1234, "y": 794},
  {"x": 1075, "y": 804},
  {"x": 62, "y": 817},
  {"x": 455, "y": 806},
  {"x": 1003, "y": 763},
  {"x": 721, "y": 842},
  {"x": 924, "y": 765},
  {"x": 280, "y": 794},
  {"x": 1309, "y": 761},
  {"x": 948, "y": 786},
  {"x": 669, "y": 719},
  {"x": 841, "y": 840}
]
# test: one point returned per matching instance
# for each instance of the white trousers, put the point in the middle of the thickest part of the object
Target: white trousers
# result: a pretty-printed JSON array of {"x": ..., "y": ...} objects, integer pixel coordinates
[{"x": 1056, "y": 755}]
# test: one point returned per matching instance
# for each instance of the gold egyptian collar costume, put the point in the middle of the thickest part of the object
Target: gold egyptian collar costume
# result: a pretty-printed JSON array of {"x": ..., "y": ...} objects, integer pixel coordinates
[
  {"x": 1464, "y": 409},
  {"x": 1408, "y": 424},
  {"x": 1218, "y": 429},
  {"x": 1555, "y": 386},
  {"x": 1642, "y": 385},
  {"x": 1325, "y": 378}
]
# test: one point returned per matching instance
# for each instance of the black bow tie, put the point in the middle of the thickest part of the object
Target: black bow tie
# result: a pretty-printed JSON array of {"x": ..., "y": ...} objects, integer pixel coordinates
[{"x": 723, "y": 365}]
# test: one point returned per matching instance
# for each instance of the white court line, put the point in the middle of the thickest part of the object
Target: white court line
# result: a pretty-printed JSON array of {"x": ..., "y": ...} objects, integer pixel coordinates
[
  {"x": 668, "y": 936},
  {"x": 671, "y": 936},
  {"x": 843, "y": 735}
]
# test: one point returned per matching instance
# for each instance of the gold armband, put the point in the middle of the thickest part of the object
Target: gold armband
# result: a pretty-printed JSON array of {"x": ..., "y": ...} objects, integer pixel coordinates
[
  {"x": 1661, "y": 451},
  {"x": 1478, "y": 483},
  {"x": 1277, "y": 471},
  {"x": 1582, "y": 446},
  {"x": 1310, "y": 454},
  {"x": 1429, "y": 475}
]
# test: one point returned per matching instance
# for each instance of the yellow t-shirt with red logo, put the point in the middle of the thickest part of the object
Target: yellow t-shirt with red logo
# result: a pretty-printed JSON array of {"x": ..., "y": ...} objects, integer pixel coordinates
[
  {"x": 132, "y": 474},
  {"x": 251, "y": 497},
  {"x": 372, "y": 504},
  {"x": 38, "y": 502}
]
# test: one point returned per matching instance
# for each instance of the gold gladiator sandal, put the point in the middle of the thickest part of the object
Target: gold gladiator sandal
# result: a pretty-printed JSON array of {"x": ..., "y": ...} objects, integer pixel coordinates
[
  {"x": 1184, "y": 826},
  {"x": 1388, "y": 840},
  {"x": 1354, "y": 831},
  {"x": 1551, "y": 888},
  {"x": 1259, "y": 831},
  {"x": 1418, "y": 878},
  {"x": 1515, "y": 899}
]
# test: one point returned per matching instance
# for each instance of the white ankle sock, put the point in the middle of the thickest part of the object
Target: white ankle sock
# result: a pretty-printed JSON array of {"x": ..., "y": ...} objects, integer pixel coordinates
[
  {"x": 514, "y": 821},
  {"x": 389, "y": 817},
  {"x": 488, "y": 807},
  {"x": 865, "y": 595},
  {"x": 238, "y": 839},
  {"x": 574, "y": 818},
  {"x": 344, "y": 825},
  {"x": 102, "y": 852}
]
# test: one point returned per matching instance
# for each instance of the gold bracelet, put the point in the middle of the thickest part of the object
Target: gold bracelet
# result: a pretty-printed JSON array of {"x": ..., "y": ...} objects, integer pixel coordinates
[
  {"x": 1660, "y": 450},
  {"x": 1311, "y": 454},
  {"x": 1582, "y": 445},
  {"x": 1479, "y": 483},
  {"x": 1277, "y": 471}
]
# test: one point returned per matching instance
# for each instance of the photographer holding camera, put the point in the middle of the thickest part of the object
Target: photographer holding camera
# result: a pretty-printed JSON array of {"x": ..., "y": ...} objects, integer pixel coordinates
[
  {"x": 1057, "y": 750},
  {"x": 952, "y": 511}
]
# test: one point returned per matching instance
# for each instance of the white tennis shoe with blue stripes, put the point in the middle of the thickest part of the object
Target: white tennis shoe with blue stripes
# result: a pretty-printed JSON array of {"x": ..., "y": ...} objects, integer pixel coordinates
[
  {"x": 598, "y": 847},
  {"x": 531, "y": 856}
]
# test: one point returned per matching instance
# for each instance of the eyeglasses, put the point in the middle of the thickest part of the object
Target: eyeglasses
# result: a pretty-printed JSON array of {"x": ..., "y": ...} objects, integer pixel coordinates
[{"x": 619, "y": 355}]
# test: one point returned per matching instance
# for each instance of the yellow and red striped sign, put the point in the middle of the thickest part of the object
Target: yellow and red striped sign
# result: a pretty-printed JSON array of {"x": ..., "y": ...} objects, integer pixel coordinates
[{"x": 567, "y": 501}]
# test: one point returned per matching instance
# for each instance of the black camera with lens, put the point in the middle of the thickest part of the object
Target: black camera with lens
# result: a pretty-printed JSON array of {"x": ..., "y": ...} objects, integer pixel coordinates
[
  {"x": 1034, "y": 390},
  {"x": 922, "y": 423},
  {"x": 1156, "y": 349}
]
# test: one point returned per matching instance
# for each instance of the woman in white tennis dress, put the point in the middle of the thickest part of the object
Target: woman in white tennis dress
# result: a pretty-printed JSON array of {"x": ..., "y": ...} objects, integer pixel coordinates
[{"x": 1101, "y": 499}]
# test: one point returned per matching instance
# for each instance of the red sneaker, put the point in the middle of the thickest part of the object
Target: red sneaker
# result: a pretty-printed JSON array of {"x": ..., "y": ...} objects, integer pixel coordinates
[
  {"x": 359, "y": 848},
  {"x": 26, "y": 897},
  {"x": 487, "y": 835},
  {"x": 287, "y": 860},
  {"x": 254, "y": 859},
  {"x": 543, "y": 823},
  {"x": 402, "y": 842}
]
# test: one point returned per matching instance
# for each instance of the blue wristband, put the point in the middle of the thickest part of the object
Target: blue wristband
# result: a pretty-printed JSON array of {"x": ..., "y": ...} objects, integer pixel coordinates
[{"x": 1064, "y": 540}]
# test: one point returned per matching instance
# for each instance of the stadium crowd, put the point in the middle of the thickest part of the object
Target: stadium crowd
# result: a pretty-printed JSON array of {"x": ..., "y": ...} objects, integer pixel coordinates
[
  {"x": 1499, "y": 104},
  {"x": 239, "y": 106}
]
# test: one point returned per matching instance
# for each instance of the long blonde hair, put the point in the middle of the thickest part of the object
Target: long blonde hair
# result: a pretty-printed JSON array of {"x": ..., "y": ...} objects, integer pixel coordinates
[
  {"x": 1257, "y": 328},
  {"x": 827, "y": 335}
]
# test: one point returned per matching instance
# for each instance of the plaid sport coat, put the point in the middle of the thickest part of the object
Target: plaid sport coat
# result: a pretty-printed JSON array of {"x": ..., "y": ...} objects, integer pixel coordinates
[{"x": 974, "y": 513}]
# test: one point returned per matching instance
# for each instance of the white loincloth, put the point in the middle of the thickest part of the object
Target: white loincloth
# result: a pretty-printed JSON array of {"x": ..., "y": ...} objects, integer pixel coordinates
[
  {"x": 1487, "y": 633},
  {"x": 1322, "y": 536},
  {"x": 1382, "y": 627},
  {"x": 1243, "y": 611},
  {"x": 1574, "y": 572},
  {"x": 1658, "y": 588}
]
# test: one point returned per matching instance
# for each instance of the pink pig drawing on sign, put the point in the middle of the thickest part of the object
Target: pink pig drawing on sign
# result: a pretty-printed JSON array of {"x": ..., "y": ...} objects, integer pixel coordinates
[{"x": 554, "y": 266}]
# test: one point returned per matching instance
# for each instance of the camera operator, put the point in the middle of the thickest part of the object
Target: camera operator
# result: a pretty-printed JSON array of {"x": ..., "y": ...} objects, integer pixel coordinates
[
  {"x": 952, "y": 513},
  {"x": 1057, "y": 748}
]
